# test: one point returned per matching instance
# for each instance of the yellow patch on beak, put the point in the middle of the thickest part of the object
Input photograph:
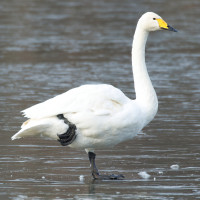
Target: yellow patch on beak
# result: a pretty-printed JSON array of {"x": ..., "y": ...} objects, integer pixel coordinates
[{"x": 162, "y": 24}]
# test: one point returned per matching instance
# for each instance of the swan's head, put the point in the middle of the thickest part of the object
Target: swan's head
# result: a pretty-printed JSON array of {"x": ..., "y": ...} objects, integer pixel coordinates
[{"x": 152, "y": 22}]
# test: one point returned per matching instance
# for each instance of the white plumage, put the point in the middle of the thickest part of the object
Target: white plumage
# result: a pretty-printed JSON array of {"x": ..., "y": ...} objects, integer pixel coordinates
[{"x": 102, "y": 114}]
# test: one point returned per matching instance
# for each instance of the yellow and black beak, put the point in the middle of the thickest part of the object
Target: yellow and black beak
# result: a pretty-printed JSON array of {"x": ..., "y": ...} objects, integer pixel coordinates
[{"x": 163, "y": 25}]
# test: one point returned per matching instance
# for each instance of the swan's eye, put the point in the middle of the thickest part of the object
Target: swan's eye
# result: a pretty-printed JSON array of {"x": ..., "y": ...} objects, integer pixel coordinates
[{"x": 154, "y": 18}]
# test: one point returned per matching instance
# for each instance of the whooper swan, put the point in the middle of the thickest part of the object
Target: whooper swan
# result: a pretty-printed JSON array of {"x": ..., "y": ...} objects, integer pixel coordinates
[{"x": 100, "y": 116}]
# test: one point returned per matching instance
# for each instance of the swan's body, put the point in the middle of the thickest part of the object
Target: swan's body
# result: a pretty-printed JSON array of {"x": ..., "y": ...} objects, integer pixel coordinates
[{"x": 102, "y": 114}]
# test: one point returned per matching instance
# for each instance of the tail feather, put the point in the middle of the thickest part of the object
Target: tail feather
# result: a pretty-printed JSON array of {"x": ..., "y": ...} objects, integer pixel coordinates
[
  {"x": 24, "y": 132},
  {"x": 51, "y": 127}
]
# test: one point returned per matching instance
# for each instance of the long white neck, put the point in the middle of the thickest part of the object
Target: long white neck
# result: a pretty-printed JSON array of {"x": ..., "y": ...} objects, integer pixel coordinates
[{"x": 145, "y": 93}]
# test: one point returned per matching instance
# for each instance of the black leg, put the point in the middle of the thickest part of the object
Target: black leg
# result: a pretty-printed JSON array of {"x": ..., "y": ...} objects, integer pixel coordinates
[{"x": 95, "y": 172}]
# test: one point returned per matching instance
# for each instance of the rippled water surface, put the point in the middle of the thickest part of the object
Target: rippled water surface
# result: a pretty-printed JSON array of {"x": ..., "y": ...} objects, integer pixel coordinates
[{"x": 48, "y": 47}]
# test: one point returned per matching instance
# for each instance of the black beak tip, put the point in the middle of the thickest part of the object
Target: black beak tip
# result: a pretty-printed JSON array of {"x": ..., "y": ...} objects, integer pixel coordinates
[{"x": 171, "y": 29}]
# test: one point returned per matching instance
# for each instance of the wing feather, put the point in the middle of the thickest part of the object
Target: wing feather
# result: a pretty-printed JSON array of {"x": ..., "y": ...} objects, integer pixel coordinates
[{"x": 98, "y": 99}]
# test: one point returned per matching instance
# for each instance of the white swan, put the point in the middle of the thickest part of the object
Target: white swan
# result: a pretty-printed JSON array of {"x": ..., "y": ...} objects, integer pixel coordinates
[{"x": 100, "y": 116}]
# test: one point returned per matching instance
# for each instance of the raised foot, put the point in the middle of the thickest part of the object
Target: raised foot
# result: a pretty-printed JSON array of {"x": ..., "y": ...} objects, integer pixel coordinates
[{"x": 109, "y": 177}]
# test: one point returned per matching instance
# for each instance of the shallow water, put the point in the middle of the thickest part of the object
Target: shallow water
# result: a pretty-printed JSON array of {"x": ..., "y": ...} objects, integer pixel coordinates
[{"x": 48, "y": 47}]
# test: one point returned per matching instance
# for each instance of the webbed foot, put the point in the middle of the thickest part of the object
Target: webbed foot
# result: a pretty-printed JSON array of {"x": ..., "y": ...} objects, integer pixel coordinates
[
  {"x": 95, "y": 172},
  {"x": 108, "y": 177},
  {"x": 70, "y": 135}
]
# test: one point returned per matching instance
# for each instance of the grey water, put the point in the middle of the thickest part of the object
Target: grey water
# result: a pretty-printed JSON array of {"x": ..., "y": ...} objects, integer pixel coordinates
[{"x": 48, "y": 47}]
